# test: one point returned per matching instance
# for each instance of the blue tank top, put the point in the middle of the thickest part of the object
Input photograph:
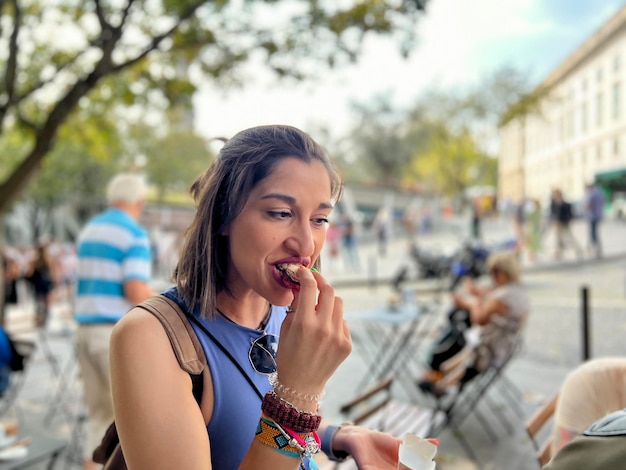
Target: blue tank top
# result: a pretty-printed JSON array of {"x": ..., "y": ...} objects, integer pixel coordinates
[{"x": 237, "y": 407}]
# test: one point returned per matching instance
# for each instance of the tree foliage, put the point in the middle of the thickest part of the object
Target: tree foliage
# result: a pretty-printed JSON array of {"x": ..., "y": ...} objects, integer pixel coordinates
[
  {"x": 164, "y": 48},
  {"x": 173, "y": 160},
  {"x": 380, "y": 141},
  {"x": 452, "y": 163},
  {"x": 447, "y": 140}
]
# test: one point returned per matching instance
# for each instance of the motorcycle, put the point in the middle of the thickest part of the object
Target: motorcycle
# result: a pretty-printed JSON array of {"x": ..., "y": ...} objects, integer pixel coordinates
[{"x": 471, "y": 259}]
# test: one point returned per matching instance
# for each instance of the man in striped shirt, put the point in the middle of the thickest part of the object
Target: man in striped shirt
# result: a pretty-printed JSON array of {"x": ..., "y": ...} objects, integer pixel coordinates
[{"x": 114, "y": 262}]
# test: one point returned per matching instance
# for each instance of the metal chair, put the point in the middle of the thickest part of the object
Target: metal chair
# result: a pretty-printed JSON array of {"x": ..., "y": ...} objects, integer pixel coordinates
[
  {"x": 8, "y": 401},
  {"x": 463, "y": 400}
]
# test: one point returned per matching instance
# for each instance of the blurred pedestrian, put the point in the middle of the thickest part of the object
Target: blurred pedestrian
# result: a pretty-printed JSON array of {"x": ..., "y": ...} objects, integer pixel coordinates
[
  {"x": 114, "y": 267},
  {"x": 332, "y": 244},
  {"x": 382, "y": 228},
  {"x": 594, "y": 210},
  {"x": 41, "y": 277},
  {"x": 477, "y": 214},
  {"x": 562, "y": 214},
  {"x": 349, "y": 243},
  {"x": 10, "y": 274},
  {"x": 533, "y": 227},
  {"x": 519, "y": 223}
]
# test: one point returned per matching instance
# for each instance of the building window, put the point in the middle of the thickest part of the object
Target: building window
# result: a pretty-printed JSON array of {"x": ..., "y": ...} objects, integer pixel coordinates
[
  {"x": 616, "y": 101},
  {"x": 616, "y": 63},
  {"x": 599, "y": 109},
  {"x": 616, "y": 147},
  {"x": 599, "y": 74},
  {"x": 583, "y": 117},
  {"x": 598, "y": 153}
]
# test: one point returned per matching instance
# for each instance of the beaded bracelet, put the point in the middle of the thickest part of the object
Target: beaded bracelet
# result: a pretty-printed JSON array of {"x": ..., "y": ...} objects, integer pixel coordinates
[
  {"x": 290, "y": 393},
  {"x": 282, "y": 412},
  {"x": 288, "y": 403}
]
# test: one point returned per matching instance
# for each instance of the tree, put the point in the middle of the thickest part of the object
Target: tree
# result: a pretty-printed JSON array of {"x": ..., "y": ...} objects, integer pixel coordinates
[
  {"x": 379, "y": 142},
  {"x": 172, "y": 161},
  {"x": 160, "y": 46},
  {"x": 452, "y": 163}
]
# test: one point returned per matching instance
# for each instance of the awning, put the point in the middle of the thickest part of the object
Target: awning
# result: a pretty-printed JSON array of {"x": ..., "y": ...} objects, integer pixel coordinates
[
  {"x": 613, "y": 174},
  {"x": 614, "y": 180}
]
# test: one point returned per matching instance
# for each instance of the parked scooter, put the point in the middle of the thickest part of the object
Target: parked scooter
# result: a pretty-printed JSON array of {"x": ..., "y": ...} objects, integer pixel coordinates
[{"x": 471, "y": 259}]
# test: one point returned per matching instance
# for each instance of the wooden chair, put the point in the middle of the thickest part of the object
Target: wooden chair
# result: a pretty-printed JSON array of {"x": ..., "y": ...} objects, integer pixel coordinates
[{"x": 536, "y": 426}]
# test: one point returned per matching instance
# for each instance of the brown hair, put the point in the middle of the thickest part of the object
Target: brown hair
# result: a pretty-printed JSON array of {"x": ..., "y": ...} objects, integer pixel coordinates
[{"x": 221, "y": 193}]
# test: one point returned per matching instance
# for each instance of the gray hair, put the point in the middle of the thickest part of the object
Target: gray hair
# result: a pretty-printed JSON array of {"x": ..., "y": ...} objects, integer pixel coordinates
[
  {"x": 126, "y": 187},
  {"x": 506, "y": 262}
]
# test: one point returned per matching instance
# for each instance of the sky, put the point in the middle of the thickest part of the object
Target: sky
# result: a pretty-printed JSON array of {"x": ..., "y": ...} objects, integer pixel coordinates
[{"x": 460, "y": 42}]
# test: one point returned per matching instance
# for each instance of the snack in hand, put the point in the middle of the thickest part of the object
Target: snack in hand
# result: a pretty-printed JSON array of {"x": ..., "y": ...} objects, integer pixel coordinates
[
  {"x": 416, "y": 453},
  {"x": 289, "y": 270}
]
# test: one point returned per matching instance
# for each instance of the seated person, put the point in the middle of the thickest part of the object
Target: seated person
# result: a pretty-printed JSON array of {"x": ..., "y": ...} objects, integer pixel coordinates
[
  {"x": 593, "y": 390},
  {"x": 601, "y": 447},
  {"x": 496, "y": 312}
]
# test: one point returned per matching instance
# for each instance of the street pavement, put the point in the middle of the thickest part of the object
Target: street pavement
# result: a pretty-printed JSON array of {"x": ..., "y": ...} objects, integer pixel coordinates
[{"x": 553, "y": 339}]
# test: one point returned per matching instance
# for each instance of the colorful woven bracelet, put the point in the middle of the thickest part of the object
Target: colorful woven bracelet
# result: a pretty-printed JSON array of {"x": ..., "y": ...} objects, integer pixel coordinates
[
  {"x": 310, "y": 442},
  {"x": 285, "y": 414},
  {"x": 271, "y": 435}
]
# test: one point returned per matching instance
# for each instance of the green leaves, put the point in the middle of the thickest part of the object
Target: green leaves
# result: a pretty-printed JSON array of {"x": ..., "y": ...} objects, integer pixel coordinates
[{"x": 151, "y": 55}]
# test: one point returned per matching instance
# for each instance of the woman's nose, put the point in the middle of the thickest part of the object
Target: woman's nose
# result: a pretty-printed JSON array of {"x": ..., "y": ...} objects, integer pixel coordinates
[{"x": 302, "y": 239}]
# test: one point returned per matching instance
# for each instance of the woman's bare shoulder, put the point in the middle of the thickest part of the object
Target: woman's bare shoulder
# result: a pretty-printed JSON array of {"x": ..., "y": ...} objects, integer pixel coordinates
[{"x": 139, "y": 330}]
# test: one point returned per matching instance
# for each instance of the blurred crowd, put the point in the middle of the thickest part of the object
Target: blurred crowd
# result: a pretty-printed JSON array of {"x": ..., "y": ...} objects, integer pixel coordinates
[{"x": 39, "y": 274}]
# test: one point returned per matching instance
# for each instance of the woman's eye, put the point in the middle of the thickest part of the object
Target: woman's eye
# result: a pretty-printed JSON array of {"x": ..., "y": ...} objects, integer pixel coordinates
[
  {"x": 279, "y": 214},
  {"x": 320, "y": 221}
]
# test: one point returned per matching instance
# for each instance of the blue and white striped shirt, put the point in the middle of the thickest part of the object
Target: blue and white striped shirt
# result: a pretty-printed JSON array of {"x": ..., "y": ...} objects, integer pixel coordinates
[{"x": 112, "y": 249}]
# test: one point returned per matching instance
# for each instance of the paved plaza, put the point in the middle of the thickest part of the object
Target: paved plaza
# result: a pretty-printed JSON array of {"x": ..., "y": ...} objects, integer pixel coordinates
[{"x": 51, "y": 402}]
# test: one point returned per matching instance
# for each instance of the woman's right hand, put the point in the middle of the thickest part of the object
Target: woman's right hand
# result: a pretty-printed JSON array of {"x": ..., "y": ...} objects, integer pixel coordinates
[{"x": 314, "y": 338}]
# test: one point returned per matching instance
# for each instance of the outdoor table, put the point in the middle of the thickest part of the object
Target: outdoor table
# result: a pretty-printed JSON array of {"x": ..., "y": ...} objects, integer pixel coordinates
[
  {"x": 41, "y": 448},
  {"x": 386, "y": 336}
]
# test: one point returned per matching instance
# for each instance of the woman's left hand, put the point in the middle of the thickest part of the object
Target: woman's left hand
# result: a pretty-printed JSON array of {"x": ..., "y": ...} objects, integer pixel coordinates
[{"x": 372, "y": 450}]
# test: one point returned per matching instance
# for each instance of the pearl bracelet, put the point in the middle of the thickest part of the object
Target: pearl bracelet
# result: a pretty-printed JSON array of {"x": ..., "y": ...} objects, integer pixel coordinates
[{"x": 293, "y": 394}]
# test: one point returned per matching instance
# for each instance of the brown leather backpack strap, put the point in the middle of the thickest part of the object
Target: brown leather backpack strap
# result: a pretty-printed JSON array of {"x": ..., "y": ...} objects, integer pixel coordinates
[{"x": 183, "y": 339}]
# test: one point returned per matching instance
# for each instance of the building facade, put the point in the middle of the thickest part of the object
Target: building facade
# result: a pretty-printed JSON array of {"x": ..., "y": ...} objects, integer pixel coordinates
[{"x": 578, "y": 130}]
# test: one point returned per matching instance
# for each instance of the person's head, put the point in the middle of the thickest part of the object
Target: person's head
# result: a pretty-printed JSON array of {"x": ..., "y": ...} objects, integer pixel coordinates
[
  {"x": 503, "y": 267},
  {"x": 264, "y": 201},
  {"x": 127, "y": 191}
]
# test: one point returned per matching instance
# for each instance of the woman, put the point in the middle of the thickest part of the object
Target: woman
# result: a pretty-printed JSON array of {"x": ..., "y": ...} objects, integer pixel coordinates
[
  {"x": 41, "y": 277},
  {"x": 496, "y": 312},
  {"x": 262, "y": 205},
  {"x": 593, "y": 390}
]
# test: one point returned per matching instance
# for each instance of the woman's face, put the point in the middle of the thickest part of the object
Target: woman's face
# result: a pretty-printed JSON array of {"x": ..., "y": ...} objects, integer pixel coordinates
[
  {"x": 283, "y": 221},
  {"x": 499, "y": 277}
]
